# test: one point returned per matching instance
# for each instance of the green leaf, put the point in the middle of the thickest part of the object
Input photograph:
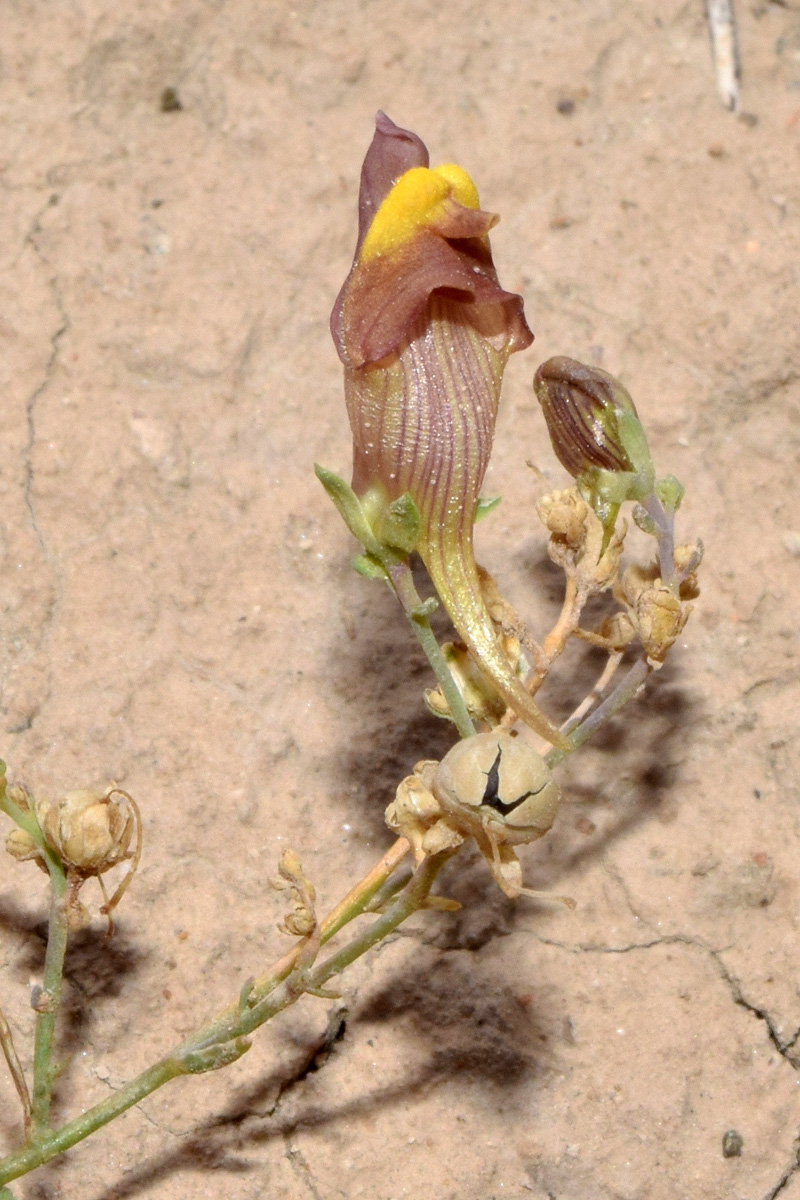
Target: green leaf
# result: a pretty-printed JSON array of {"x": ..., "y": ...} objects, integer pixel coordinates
[
  {"x": 349, "y": 507},
  {"x": 422, "y": 611},
  {"x": 212, "y": 1058},
  {"x": 670, "y": 492},
  {"x": 643, "y": 520},
  {"x": 369, "y": 567},
  {"x": 485, "y": 505}
]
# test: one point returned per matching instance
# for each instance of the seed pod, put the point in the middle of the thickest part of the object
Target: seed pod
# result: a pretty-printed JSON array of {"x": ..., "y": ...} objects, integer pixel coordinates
[
  {"x": 91, "y": 833},
  {"x": 21, "y": 846},
  {"x": 495, "y": 783}
]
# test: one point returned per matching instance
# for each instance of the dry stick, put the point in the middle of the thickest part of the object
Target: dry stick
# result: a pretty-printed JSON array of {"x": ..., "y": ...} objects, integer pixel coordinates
[
  {"x": 17, "y": 1074},
  {"x": 554, "y": 644},
  {"x": 223, "y": 1040},
  {"x": 725, "y": 49}
]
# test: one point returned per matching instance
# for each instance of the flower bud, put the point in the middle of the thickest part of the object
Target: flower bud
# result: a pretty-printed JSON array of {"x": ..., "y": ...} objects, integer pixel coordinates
[
  {"x": 588, "y": 415},
  {"x": 90, "y": 833},
  {"x": 21, "y": 846},
  {"x": 596, "y": 434}
]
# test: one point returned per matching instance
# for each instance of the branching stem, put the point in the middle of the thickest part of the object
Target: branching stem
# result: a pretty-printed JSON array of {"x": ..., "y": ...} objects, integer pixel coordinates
[{"x": 223, "y": 1040}]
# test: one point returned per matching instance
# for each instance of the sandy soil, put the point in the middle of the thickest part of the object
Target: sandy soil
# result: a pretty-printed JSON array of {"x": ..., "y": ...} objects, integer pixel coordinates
[{"x": 179, "y": 615}]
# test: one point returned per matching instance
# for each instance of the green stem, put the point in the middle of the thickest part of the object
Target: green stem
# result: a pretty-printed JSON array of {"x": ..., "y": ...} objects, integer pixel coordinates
[
  {"x": 57, "y": 935},
  {"x": 414, "y": 608},
  {"x": 44, "y": 1071},
  {"x": 222, "y": 1040},
  {"x": 622, "y": 694},
  {"x": 664, "y": 522}
]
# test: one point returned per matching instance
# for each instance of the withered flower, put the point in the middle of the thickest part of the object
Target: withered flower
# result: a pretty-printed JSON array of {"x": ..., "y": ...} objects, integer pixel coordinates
[
  {"x": 596, "y": 434},
  {"x": 89, "y": 832},
  {"x": 424, "y": 331}
]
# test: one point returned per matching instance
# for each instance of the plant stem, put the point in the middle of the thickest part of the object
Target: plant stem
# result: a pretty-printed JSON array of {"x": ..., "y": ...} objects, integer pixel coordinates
[
  {"x": 44, "y": 1071},
  {"x": 222, "y": 1040},
  {"x": 664, "y": 522},
  {"x": 622, "y": 694},
  {"x": 413, "y": 607}
]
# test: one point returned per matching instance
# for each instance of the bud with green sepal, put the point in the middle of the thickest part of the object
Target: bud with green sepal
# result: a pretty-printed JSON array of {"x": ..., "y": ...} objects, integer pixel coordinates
[{"x": 596, "y": 434}]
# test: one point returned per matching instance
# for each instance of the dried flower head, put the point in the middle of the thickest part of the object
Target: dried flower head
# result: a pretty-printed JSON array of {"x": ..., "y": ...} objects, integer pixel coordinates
[{"x": 90, "y": 833}]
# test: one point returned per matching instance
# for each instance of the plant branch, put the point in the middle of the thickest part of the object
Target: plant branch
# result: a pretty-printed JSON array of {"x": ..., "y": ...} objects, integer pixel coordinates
[
  {"x": 223, "y": 1040},
  {"x": 49, "y": 999},
  {"x": 622, "y": 694}
]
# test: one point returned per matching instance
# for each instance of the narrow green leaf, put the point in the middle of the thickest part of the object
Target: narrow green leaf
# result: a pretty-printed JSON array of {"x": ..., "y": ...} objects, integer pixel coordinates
[
  {"x": 424, "y": 610},
  {"x": 349, "y": 507},
  {"x": 670, "y": 492},
  {"x": 643, "y": 520},
  {"x": 369, "y": 567}
]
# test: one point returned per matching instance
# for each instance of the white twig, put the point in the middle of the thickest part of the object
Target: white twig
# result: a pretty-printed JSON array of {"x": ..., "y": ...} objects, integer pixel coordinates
[{"x": 725, "y": 49}]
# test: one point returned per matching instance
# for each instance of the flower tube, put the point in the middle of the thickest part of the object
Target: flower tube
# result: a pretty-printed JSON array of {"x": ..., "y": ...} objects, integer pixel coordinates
[{"x": 424, "y": 331}]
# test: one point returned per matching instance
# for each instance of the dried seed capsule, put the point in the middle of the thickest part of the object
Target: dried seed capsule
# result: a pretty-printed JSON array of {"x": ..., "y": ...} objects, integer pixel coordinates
[
  {"x": 497, "y": 783},
  {"x": 91, "y": 833}
]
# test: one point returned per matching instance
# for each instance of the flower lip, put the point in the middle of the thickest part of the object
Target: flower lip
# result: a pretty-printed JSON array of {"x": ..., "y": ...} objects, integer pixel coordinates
[{"x": 420, "y": 232}]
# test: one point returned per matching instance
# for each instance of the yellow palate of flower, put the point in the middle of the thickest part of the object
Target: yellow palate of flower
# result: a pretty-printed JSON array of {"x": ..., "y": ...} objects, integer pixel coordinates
[{"x": 417, "y": 201}]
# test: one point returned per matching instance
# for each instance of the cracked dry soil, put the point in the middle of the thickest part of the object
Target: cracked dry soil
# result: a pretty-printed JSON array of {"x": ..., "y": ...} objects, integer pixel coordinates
[{"x": 178, "y": 614}]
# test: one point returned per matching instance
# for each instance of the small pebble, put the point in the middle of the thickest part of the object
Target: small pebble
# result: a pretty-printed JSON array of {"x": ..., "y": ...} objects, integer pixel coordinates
[
  {"x": 170, "y": 100},
  {"x": 732, "y": 1144},
  {"x": 566, "y": 106}
]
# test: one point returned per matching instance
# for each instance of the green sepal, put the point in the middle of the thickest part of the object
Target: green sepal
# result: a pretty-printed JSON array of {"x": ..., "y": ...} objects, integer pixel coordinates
[
  {"x": 607, "y": 491},
  {"x": 670, "y": 491},
  {"x": 642, "y": 520},
  {"x": 426, "y": 609},
  {"x": 485, "y": 505},
  {"x": 349, "y": 507},
  {"x": 369, "y": 567},
  {"x": 399, "y": 525}
]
